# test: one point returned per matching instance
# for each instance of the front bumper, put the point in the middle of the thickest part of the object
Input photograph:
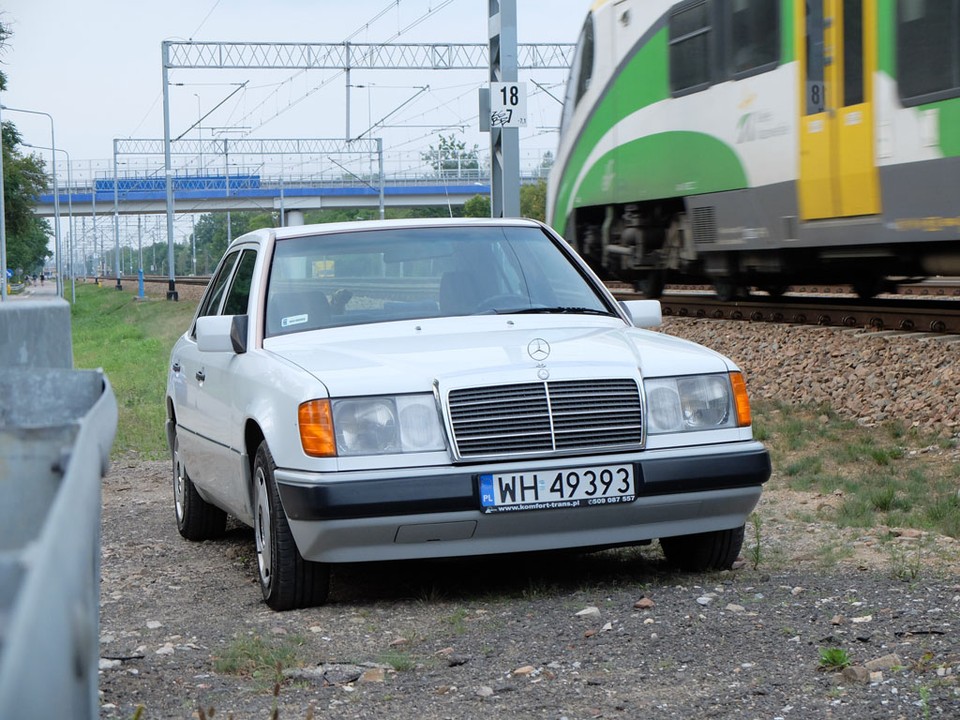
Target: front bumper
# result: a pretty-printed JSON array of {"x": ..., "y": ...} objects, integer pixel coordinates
[{"x": 353, "y": 517}]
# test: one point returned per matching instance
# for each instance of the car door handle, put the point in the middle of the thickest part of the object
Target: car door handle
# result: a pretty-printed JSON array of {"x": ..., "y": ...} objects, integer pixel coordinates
[
  {"x": 201, "y": 376},
  {"x": 176, "y": 367}
]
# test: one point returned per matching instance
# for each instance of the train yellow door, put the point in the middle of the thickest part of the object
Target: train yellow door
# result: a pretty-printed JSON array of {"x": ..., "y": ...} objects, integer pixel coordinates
[{"x": 838, "y": 56}]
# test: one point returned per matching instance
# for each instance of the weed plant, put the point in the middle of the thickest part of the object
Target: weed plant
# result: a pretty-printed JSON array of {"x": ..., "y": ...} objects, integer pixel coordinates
[
  {"x": 869, "y": 469},
  {"x": 834, "y": 658},
  {"x": 254, "y": 657},
  {"x": 130, "y": 340}
]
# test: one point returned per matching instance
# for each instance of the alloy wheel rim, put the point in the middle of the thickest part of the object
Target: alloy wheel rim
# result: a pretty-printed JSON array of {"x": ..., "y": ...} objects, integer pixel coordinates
[
  {"x": 262, "y": 530},
  {"x": 178, "y": 484}
]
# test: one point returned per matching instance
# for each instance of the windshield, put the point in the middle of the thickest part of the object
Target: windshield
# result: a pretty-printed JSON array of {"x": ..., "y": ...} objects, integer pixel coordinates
[{"x": 391, "y": 274}]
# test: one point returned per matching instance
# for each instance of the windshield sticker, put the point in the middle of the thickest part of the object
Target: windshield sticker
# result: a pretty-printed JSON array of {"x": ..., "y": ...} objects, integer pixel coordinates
[{"x": 294, "y": 320}]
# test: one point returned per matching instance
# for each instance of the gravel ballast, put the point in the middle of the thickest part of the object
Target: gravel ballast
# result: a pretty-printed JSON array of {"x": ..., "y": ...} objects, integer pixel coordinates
[{"x": 608, "y": 635}]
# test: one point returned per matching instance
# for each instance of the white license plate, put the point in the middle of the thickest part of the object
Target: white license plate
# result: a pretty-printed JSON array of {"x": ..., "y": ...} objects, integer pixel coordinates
[{"x": 561, "y": 488}]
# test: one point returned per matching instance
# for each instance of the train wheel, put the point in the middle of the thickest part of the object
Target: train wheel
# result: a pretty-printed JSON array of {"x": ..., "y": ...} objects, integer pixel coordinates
[
  {"x": 650, "y": 284},
  {"x": 726, "y": 289},
  {"x": 868, "y": 287},
  {"x": 774, "y": 290}
]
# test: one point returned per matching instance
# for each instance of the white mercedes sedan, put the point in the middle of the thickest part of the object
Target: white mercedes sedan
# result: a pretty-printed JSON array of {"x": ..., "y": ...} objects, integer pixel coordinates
[{"x": 420, "y": 389}]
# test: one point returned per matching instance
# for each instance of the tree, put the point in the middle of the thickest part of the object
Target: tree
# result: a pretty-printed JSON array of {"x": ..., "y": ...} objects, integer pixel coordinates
[
  {"x": 211, "y": 238},
  {"x": 451, "y": 158},
  {"x": 4, "y": 36},
  {"x": 332, "y": 215},
  {"x": 24, "y": 178},
  {"x": 546, "y": 163},
  {"x": 533, "y": 202},
  {"x": 477, "y": 206}
]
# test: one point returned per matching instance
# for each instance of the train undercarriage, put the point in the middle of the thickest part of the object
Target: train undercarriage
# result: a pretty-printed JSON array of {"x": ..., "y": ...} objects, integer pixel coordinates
[{"x": 651, "y": 244}]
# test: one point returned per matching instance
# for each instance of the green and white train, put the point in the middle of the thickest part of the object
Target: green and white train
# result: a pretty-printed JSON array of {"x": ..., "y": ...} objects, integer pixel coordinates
[{"x": 763, "y": 143}]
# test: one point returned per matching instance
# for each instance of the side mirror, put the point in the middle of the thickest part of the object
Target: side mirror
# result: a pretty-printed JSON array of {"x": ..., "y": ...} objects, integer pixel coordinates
[
  {"x": 643, "y": 313},
  {"x": 222, "y": 333}
]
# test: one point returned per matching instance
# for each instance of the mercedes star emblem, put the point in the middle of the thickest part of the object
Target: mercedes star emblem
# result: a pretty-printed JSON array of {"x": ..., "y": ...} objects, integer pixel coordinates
[{"x": 538, "y": 349}]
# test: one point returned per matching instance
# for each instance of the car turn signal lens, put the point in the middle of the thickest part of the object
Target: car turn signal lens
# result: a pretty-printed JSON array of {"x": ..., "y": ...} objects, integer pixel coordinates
[
  {"x": 740, "y": 399},
  {"x": 316, "y": 429}
]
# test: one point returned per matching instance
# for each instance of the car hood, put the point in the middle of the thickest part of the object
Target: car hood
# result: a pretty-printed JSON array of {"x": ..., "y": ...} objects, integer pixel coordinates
[{"x": 411, "y": 356}]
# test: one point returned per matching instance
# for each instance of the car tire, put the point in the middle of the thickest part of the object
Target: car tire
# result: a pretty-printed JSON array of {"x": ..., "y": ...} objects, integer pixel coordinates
[
  {"x": 286, "y": 579},
  {"x": 196, "y": 518},
  {"x": 705, "y": 551}
]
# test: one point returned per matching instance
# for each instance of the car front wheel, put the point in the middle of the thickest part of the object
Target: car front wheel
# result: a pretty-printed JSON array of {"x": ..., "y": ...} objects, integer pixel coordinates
[
  {"x": 286, "y": 579},
  {"x": 196, "y": 518},
  {"x": 705, "y": 551}
]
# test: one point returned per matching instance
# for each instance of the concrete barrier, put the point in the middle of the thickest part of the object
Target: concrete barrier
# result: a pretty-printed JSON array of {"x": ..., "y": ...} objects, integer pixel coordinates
[{"x": 56, "y": 429}]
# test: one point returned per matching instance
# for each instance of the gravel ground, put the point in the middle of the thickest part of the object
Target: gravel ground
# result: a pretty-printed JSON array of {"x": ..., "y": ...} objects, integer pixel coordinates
[{"x": 608, "y": 635}]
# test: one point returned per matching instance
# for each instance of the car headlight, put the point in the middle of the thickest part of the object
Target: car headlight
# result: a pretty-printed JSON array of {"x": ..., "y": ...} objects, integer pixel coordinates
[
  {"x": 376, "y": 426},
  {"x": 699, "y": 402}
]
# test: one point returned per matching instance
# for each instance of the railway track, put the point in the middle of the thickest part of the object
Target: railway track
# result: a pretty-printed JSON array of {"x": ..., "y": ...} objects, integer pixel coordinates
[
  {"x": 932, "y": 307},
  {"x": 904, "y": 313}
]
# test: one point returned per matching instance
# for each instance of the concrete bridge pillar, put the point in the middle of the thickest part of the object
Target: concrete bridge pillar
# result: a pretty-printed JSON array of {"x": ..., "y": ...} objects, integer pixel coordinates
[{"x": 293, "y": 217}]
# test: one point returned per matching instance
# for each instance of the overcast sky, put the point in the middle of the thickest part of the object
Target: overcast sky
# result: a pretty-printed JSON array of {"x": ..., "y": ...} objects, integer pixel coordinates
[{"x": 95, "y": 66}]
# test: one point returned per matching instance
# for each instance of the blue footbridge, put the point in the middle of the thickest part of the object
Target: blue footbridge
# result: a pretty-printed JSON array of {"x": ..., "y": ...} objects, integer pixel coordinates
[{"x": 220, "y": 193}]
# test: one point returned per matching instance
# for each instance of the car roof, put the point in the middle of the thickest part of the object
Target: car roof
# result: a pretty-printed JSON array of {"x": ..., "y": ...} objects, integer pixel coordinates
[{"x": 363, "y": 225}]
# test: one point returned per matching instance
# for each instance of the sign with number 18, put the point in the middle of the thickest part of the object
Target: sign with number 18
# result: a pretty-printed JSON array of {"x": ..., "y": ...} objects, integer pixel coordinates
[{"x": 508, "y": 104}]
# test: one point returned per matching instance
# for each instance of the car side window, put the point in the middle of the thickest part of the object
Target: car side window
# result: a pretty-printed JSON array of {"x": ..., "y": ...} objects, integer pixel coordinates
[
  {"x": 210, "y": 304},
  {"x": 239, "y": 294}
]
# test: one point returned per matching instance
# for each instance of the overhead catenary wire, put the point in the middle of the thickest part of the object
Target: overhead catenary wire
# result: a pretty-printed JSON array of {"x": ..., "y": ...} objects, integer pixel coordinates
[{"x": 338, "y": 74}]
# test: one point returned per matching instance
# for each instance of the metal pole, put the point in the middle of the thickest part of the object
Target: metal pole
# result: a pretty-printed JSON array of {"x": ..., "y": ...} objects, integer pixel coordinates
[
  {"x": 193, "y": 241},
  {"x": 116, "y": 218},
  {"x": 3, "y": 226},
  {"x": 380, "y": 164},
  {"x": 69, "y": 209},
  {"x": 504, "y": 142},
  {"x": 346, "y": 56},
  {"x": 73, "y": 269},
  {"x": 56, "y": 210},
  {"x": 226, "y": 166},
  {"x": 140, "y": 260},
  {"x": 200, "y": 131},
  {"x": 168, "y": 172},
  {"x": 283, "y": 212},
  {"x": 93, "y": 229}
]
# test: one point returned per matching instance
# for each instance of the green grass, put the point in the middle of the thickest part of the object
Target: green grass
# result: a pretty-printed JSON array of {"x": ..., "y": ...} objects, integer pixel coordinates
[
  {"x": 834, "y": 658},
  {"x": 458, "y": 621},
  {"x": 812, "y": 448},
  {"x": 264, "y": 661},
  {"x": 399, "y": 661},
  {"x": 870, "y": 468},
  {"x": 131, "y": 340}
]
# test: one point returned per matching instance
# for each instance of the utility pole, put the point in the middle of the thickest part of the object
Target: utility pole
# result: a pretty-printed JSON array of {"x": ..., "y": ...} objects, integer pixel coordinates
[{"x": 504, "y": 135}]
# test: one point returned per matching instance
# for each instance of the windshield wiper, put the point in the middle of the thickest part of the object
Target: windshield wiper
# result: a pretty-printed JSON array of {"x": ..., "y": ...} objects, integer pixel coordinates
[{"x": 546, "y": 310}]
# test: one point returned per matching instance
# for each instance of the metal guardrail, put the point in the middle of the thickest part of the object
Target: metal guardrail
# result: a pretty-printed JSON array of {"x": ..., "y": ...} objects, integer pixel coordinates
[{"x": 56, "y": 429}]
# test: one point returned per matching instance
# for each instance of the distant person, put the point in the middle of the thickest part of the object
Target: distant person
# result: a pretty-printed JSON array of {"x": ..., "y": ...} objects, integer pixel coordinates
[{"x": 41, "y": 279}]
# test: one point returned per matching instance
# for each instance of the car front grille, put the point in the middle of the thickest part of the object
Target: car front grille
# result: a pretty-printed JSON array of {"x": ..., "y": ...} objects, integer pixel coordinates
[{"x": 544, "y": 418}]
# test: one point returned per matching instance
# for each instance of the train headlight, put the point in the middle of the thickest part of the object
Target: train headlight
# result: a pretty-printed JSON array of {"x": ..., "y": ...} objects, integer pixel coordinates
[{"x": 699, "y": 402}]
